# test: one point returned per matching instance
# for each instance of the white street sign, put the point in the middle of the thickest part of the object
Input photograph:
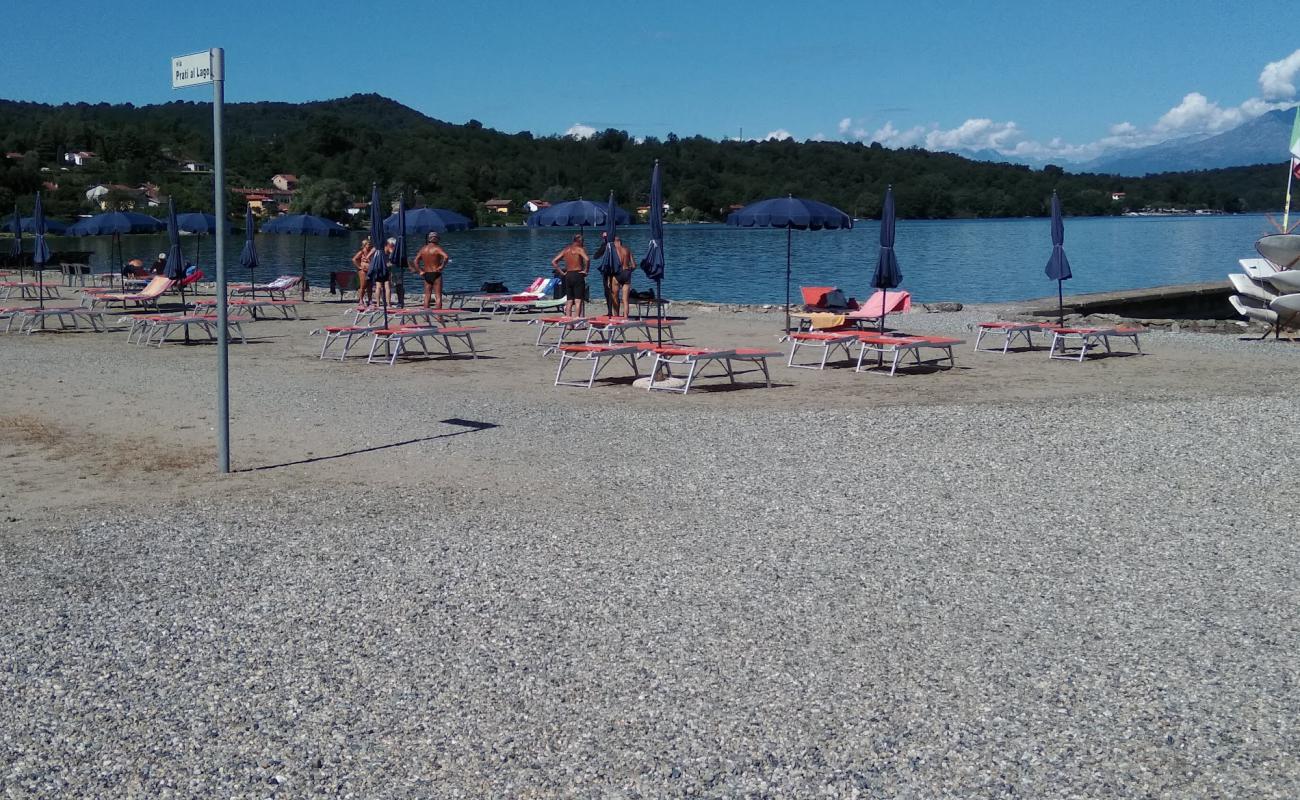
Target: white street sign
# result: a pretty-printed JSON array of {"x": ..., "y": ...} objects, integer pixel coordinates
[{"x": 193, "y": 70}]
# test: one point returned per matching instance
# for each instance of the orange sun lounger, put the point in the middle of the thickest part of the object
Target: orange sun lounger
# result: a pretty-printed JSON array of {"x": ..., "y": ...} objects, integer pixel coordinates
[
  {"x": 598, "y": 355},
  {"x": 1009, "y": 330},
  {"x": 898, "y": 347},
  {"x": 1088, "y": 339},
  {"x": 395, "y": 339}
]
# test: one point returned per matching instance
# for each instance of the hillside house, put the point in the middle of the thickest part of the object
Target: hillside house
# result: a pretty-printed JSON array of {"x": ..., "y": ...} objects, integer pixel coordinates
[
  {"x": 79, "y": 158},
  {"x": 285, "y": 182},
  {"x": 1116, "y": 197},
  {"x": 533, "y": 206},
  {"x": 499, "y": 205}
]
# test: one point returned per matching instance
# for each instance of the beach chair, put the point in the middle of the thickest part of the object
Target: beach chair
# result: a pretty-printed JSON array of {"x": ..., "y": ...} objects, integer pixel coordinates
[
  {"x": 537, "y": 299},
  {"x": 697, "y": 359},
  {"x": 1254, "y": 300},
  {"x": 598, "y": 356},
  {"x": 1010, "y": 331},
  {"x": 349, "y": 334},
  {"x": 275, "y": 290},
  {"x": 145, "y": 298},
  {"x": 826, "y": 298},
  {"x": 540, "y": 306},
  {"x": 826, "y": 341},
  {"x": 898, "y": 347},
  {"x": 395, "y": 339},
  {"x": 68, "y": 317},
  {"x": 1088, "y": 339},
  {"x": 564, "y": 325},
  {"x": 537, "y": 290}
]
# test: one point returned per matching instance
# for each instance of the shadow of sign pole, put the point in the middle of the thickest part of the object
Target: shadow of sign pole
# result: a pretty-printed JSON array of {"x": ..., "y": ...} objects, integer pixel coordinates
[{"x": 466, "y": 426}]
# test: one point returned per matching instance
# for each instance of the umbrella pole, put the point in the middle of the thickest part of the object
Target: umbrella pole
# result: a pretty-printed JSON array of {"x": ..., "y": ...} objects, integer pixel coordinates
[
  {"x": 40, "y": 285},
  {"x": 1060, "y": 304},
  {"x": 787, "y": 279}
]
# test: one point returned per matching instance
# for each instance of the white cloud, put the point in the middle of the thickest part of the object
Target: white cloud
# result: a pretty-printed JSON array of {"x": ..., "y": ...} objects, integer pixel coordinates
[
  {"x": 779, "y": 133},
  {"x": 818, "y": 137},
  {"x": 1277, "y": 80},
  {"x": 1197, "y": 114},
  {"x": 844, "y": 125},
  {"x": 1123, "y": 129},
  {"x": 579, "y": 131}
]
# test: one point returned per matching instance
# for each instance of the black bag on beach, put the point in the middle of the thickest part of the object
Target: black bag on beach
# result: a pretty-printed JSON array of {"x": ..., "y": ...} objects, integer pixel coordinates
[{"x": 493, "y": 287}]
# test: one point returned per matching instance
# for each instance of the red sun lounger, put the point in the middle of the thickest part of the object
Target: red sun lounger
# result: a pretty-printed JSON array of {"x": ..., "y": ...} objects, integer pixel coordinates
[
  {"x": 598, "y": 355},
  {"x": 1009, "y": 330},
  {"x": 826, "y": 341},
  {"x": 697, "y": 359},
  {"x": 349, "y": 334},
  {"x": 395, "y": 339},
  {"x": 898, "y": 347},
  {"x": 1088, "y": 340}
]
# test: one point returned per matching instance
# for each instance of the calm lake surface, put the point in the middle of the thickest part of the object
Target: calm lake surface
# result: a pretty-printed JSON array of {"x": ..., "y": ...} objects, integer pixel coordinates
[{"x": 964, "y": 260}]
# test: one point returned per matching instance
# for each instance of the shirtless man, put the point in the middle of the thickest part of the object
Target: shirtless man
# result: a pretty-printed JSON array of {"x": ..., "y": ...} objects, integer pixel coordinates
[
  {"x": 576, "y": 264},
  {"x": 623, "y": 278},
  {"x": 429, "y": 262}
]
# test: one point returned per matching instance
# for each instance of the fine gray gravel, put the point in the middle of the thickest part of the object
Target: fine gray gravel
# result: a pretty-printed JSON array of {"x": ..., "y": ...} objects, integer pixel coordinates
[{"x": 1079, "y": 600}]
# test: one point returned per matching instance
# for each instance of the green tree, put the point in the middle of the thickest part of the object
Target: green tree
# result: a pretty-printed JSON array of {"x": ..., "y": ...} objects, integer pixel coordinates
[{"x": 327, "y": 197}]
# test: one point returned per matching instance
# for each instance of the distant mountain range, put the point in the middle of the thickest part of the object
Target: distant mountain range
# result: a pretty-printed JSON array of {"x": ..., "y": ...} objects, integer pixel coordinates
[{"x": 1262, "y": 140}]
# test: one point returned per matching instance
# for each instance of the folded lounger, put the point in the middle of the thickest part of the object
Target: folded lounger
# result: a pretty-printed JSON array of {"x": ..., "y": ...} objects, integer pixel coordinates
[
  {"x": 1089, "y": 339},
  {"x": 826, "y": 298},
  {"x": 395, "y": 339},
  {"x": 1009, "y": 330},
  {"x": 879, "y": 304},
  {"x": 697, "y": 359},
  {"x": 536, "y": 290},
  {"x": 598, "y": 355},
  {"x": 897, "y": 347}
]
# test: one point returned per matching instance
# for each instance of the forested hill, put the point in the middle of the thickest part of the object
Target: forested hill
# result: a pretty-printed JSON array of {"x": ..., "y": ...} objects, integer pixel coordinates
[{"x": 354, "y": 141}]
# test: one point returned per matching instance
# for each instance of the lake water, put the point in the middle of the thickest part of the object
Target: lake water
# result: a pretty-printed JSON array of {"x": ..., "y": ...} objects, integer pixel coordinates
[{"x": 964, "y": 260}]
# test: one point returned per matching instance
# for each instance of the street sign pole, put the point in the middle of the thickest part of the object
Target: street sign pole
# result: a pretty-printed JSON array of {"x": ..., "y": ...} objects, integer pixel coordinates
[
  {"x": 219, "y": 209},
  {"x": 194, "y": 70}
]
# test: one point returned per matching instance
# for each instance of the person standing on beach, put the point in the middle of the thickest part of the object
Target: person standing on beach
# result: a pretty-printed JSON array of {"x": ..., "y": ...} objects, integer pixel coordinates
[
  {"x": 429, "y": 263},
  {"x": 576, "y": 264},
  {"x": 611, "y": 288},
  {"x": 362, "y": 262},
  {"x": 623, "y": 278}
]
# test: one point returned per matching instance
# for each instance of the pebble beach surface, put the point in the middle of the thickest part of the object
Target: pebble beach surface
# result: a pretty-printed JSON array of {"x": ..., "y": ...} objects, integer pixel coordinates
[{"x": 1018, "y": 578}]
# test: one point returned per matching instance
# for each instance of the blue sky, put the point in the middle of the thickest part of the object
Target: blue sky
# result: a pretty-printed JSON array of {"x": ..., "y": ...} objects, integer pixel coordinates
[{"x": 1021, "y": 77}]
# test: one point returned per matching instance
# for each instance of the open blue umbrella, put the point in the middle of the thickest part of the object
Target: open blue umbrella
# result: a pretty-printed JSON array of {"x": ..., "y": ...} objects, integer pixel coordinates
[
  {"x": 378, "y": 272},
  {"x": 653, "y": 260},
  {"x": 199, "y": 223},
  {"x": 791, "y": 213},
  {"x": 1058, "y": 266},
  {"x": 175, "y": 269},
  {"x": 576, "y": 213},
  {"x": 304, "y": 225},
  {"x": 40, "y": 250},
  {"x": 16, "y": 246},
  {"x": 28, "y": 225},
  {"x": 115, "y": 224},
  {"x": 422, "y": 221},
  {"x": 887, "y": 275},
  {"x": 248, "y": 256}
]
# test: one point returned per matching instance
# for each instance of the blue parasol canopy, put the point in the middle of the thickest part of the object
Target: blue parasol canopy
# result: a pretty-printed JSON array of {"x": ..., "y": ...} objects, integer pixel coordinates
[
  {"x": 28, "y": 225},
  {"x": 653, "y": 260},
  {"x": 175, "y": 269},
  {"x": 791, "y": 213},
  {"x": 609, "y": 265},
  {"x": 16, "y": 246},
  {"x": 378, "y": 259},
  {"x": 198, "y": 222},
  {"x": 576, "y": 213},
  {"x": 887, "y": 275},
  {"x": 304, "y": 225},
  {"x": 115, "y": 222},
  {"x": 248, "y": 256},
  {"x": 420, "y": 221}
]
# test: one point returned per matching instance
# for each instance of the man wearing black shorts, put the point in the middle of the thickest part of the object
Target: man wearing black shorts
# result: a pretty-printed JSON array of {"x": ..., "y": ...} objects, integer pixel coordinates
[
  {"x": 576, "y": 264},
  {"x": 622, "y": 278},
  {"x": 430, "y": 262}
]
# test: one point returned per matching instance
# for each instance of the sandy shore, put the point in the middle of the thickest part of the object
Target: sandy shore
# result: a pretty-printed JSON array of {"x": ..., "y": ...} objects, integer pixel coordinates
[{"x": 1016, "y": 576}]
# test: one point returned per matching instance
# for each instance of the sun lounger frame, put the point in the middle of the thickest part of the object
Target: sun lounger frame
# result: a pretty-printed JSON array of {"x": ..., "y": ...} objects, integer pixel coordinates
[{"x": 599, "y": 356}]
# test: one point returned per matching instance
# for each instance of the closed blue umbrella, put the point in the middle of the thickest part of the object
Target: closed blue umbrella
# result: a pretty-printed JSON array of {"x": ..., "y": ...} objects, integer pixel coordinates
[
  {"x": 378, "y": 272},
  {"x": 399, "y": 252},
  {"x": 115, "y": 224},
  {"x": 248, "y": 256},
  {"x": 175, "y": 269},
  {"x": 421, "y": 221},
  {"x": 1058, "y": 266},
  {"x": 791, "y": 213},
  {"x": 40, "y": 250},
  {"x": 887, "y": 275},
  {"x": 16, "y": 246},
  {"x": 609, "y": 265},
  {"x": 576, "y": 213},
  {"x": 653, "y": 260},
  {"x": 304, "y": 225}
]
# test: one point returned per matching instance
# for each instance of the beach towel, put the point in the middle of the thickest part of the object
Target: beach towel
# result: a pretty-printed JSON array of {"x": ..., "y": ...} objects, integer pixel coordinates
[{"x": 824, "y": 321}]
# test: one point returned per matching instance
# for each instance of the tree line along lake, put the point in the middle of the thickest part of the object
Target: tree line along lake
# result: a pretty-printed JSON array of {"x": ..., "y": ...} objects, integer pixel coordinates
[{"x": 970, "y": 261}]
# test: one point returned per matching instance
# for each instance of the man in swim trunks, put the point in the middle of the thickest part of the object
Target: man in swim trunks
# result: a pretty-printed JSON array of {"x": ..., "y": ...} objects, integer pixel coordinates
[
  {"x": 574, "y": 272},
  {"x": 623, "y": 278},
  {"x": 430, "y": 262}
]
